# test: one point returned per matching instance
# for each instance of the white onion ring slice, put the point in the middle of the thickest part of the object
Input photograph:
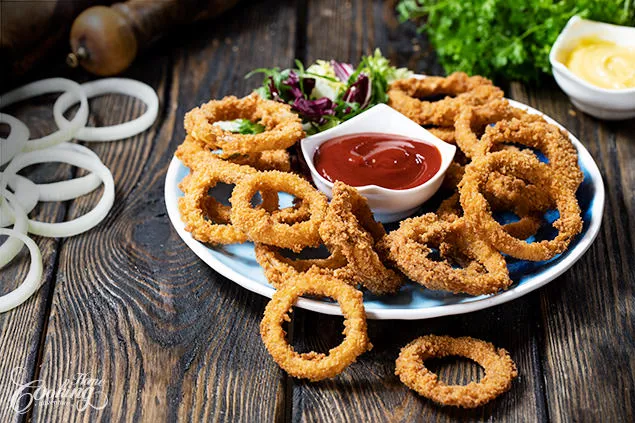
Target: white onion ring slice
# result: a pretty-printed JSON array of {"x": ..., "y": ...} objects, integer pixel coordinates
[
  {"x": 71, "y": 189},
  {"x": 12, "y": 246},
  {"x": 47, "y": 86},
  {"x": 105, "y": 86},
  {"x": 27, "y": 194},
  {"x": 33, "y": 279},
  {"x": 15, "y": 141},
  {"x": 74, "y": 158}
]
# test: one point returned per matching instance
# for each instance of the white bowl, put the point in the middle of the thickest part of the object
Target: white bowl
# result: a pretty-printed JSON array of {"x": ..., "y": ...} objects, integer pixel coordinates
[
  {"x": 599, "y": 102},
  {"x": 388, "y": 205}
]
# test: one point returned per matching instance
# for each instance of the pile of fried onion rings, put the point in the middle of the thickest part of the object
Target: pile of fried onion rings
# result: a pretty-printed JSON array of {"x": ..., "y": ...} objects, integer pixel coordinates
[{"x": 460, "y": 248}]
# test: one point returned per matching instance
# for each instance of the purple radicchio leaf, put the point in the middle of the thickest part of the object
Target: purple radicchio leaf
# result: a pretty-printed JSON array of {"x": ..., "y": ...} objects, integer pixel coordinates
[
  {"x": 308, "y": 84},
  {"x": 314, "y": 110},
  {"x": 273, "y": 91},
  {"x": 342, "y": 70},
  {"x": 359, "y": 92},
  {"x": 297, "y": 91}
]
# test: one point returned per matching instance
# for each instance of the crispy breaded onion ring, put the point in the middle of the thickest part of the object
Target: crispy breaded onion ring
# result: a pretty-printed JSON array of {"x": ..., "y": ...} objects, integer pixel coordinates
[
  {"x": 404, "y": 96},
  {"x": 453, "y": 175},
  {"x": 471, "y": 122},
  {"x": 349, "y": 227},
  {"x": 315, "y": 366},
  {"x": 548, "y": 138},
  {"x": 450, "y": 210},
  {"x": 499, "y": 368},
  {"x": 262, "y": 226},
  {"x": 539, "y": 174},
  {"x": 484, "y": 269},
  {"x": 270, "y": 160},
  {"x": 279, "y": 269},
  {"x": 283, "y": 128},
  {"x": 196, "y": 204},
  {"x": 504, "y": 191},
  {"x": 508, "y": 192},
  {"x": 191, "y": 151},
  {"x": 444, "y": 133}
]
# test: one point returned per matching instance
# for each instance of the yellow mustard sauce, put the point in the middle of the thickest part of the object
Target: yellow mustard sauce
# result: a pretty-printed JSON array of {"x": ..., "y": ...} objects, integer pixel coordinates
[{"x": 603, "y": 63}]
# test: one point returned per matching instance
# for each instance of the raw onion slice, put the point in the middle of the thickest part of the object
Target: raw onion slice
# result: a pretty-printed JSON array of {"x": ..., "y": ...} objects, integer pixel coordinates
[
  {"x": 12, "y": 246},
  {"x": 15, "y": 142},
  {"x": 74, "y": 158},
  {"x": 27, "y": 194},
  {"x": 46, "y": 86},
  {"x": 99, "y": 87},
  {"x": 67, "y": 190},
  {"x": 32, "y": 280}
]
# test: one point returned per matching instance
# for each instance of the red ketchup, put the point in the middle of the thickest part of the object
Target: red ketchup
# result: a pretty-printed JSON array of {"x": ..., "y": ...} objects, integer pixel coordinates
[{"x": 385, "y": 160}]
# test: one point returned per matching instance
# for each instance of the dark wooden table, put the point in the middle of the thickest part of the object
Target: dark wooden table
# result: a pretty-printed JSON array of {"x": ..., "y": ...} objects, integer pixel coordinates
[{"x": 128, "y": 303}]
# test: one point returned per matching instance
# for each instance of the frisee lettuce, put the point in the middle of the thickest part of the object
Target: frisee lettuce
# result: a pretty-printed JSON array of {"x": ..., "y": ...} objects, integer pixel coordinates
[{"x": 329, "y": 92}]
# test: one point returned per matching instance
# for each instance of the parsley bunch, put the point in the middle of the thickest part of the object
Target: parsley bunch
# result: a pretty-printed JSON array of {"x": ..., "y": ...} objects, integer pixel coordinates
[{"x": 502, "y": 38}]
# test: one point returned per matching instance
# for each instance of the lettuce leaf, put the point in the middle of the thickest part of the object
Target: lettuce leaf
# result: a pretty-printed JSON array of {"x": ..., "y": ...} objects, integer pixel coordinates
[
  {"x": 241, "y": 126},
  {"x": 330, "y": 92}
]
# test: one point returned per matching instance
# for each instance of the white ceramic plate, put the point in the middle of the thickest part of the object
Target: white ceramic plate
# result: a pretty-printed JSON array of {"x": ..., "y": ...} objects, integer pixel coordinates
[{"x": 238, "y": 263}]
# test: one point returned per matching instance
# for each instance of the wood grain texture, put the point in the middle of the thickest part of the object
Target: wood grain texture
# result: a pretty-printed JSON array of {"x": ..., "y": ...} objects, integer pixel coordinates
[
  {"x": 133, "y": 307},
  {"x": 21, "y": 329},
  {"x": 588, "y": 314},
  {"x": 369, "y": 390},
  {"x": 129, "y": 304}
]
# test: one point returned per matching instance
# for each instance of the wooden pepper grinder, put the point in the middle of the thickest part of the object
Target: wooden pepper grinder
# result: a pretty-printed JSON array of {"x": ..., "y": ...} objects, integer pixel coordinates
[{"x": 105, "y": 40}]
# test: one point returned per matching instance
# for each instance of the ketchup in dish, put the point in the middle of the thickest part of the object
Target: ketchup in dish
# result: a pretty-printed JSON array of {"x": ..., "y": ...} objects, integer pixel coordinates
[{"x": 385, "y": 160}]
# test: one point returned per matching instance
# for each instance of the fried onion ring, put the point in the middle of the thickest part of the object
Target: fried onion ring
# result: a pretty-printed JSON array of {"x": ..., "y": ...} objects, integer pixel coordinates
[
  {"x": 404, "y": 96},
  {"x": 499, "y": 368},
  {"x": 315, "y": 366},
  {"x": 450, "y": 210},
  {"x": 283, "y": 128},
  {"x": 453, "y": 175},
  {"x": 455, "y": 171},
  {"x": 444, "y": 133},
  {"x": 279, "y": 269},
  {"x": 272, "y": 160},
  {"x": 349, "y": 227},
  {"x": 192, "y": 151},
  {"x": 483, "y": 271},
  {"x": 261, "y": 226},
  {"x": 539, "y": 174},
  {"x": 196, "y": 205},
  {"x": 505, "y": 192},
  {"x": 548, "y": 138},
  {"x": 471, "y": 123}
]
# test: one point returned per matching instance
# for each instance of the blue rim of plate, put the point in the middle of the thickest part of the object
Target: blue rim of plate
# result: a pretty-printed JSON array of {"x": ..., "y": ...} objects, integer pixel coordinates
[{"x": 237, "y": 262}]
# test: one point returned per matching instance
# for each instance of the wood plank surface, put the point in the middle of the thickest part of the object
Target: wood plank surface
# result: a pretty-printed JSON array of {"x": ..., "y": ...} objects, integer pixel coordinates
[
  {"x": 588, "y": 314},
  {"x": 369, "y": 388},
  {"x": 133, "y": 306},
  {"x": 129, "y": 304},
  {"x": 21, "y": 329}
]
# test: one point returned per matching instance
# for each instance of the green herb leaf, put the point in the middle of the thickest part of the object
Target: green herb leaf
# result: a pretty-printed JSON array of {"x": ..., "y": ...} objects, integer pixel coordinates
[
  {"x": 327, "y": 86},
  {"x": 501, "y": 38},
  {"x": 241, "y": 126}
]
